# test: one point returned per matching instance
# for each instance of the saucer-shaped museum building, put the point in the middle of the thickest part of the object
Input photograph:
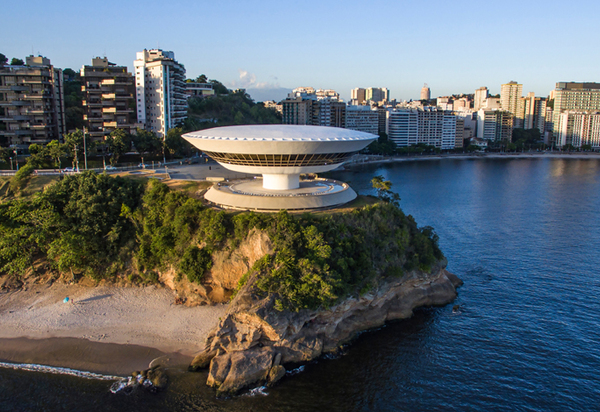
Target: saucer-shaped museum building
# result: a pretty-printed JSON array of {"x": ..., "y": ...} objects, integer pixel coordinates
[{"x": 280, "y": 153}]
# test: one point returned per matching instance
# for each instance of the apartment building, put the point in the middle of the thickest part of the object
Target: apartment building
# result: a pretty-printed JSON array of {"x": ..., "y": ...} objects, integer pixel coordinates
[
  {"x": 534, "y": 112},
  {"x": 572, "y": 97},
  {"x": 427, "y": 125},
  {"x": 480, "y": 96},
  {"x": 108, "y": 93},
  {"x": 160, "y": 90},
  {"x": 578, "y": 128},
  {"x": 307, "y": 106},
  {"x": 494, "y": 124},
  {"x": 357, "y": 96},
  {"x": 198, "y": 89},
  {"x": 31, "y": 103},
  {"x": 362, "y": 118},
  {"x": 425, "y": 92},
  {"x": 377, "y": 95},
  {"x": 511, "y": 101}
]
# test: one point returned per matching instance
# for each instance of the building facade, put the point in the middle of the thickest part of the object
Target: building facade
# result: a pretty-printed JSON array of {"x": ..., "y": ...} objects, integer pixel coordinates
[
  {"x": 377, "y": 95},
  {"x": 425, "y": 92},
  {"x": 480, "y": 96},
  {"x": 494, "y": 124},
  {"x": 108, "y": 93},
  {"x": 575, "y": 97},
  {"x": 199, "y": 89},
  {"x": 407, "y": 127},
  {"x": 363, "y": 119},
  {"x": 578, "y": 128},
  {"x": 307, "y": 106},
  {"x": 160, "y": 90},
  {"x": 534, "y": 113},
  {"x": 511, "y": 101},
  {"x": 357, "y": 96},
  {"x": 32, "y": 106}
]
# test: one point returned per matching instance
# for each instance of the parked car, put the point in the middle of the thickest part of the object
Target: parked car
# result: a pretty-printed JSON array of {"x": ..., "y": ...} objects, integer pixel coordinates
[
  {"x": 142, "y": 165},
  {"x": 68, "y": 169},
  {"x": 109, "y": 167}
]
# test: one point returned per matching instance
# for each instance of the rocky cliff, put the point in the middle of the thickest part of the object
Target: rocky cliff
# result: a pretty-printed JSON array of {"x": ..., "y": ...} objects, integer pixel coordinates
[{"x": 251, "y": 345}]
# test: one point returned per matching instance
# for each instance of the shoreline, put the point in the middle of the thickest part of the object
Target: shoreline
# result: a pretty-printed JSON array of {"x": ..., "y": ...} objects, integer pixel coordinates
[
  {"x": 377, "y": 159},
  {"x": 108, "y": 329}
]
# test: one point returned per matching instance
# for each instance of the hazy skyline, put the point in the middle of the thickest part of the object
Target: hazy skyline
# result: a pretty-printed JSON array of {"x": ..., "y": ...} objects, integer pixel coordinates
[{"x": 269, "y": 46}]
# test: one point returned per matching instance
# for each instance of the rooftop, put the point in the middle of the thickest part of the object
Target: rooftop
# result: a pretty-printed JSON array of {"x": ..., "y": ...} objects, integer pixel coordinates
[{"x": 278, "y": 132}]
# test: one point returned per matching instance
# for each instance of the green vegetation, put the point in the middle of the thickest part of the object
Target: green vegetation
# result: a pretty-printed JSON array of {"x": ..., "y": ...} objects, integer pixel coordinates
[
  {"x": 73, "y": 100},
  {"x": 100, "y": 226},
  {"x": 225, "y": 109}
]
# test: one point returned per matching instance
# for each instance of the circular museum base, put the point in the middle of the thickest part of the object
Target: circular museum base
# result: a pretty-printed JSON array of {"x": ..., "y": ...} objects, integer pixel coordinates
[{"x": 249, "y": 194}]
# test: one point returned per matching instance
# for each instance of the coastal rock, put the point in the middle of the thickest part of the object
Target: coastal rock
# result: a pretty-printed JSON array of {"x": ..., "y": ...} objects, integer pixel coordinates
[
  {"x": 233, "y": 371},
  {"x": 275, "y": 374},
  {"x": 254, "y": 338}
]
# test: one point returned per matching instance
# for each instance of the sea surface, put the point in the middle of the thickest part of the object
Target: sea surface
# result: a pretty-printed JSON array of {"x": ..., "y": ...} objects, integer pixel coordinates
[{"x": 523, "y": 234}]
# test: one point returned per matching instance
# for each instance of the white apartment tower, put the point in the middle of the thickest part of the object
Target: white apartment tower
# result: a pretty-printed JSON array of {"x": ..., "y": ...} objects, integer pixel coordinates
[
  {"x": 407, "y": 127},
  {"x": 481, "y": 95},
  {"x": 160, "y": 90}
]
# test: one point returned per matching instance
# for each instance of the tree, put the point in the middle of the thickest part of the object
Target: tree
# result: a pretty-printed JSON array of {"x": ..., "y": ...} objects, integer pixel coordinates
[
  {"x": 117, "y": 143},
  {"x": 16, "y": 62},
  {"x": 201, "y": 79},
  {"x": 175, "y": 144},
  {"x": 56, "y": 151},
  {"x": 74, "y": 145},
  {"x": 37, "y": 155},
  {"x": 146, "y": 142},
  {"x": 384, "y": 190},
  {"x": 218, "y": 87},
  {"x": 3, "y": 59}
]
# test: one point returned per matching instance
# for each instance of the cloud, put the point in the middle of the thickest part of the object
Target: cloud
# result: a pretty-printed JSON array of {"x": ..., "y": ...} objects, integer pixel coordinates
[
  {"x": 259, "y": 91},
  {"x": 248, "y": 80}
]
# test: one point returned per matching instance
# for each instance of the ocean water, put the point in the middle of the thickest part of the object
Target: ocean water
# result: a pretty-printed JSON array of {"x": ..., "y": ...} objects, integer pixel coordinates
[{"x": 523, "y": 234}]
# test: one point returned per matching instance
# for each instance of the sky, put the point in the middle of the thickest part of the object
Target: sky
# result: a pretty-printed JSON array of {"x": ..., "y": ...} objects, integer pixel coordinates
[{"x": 270, "y": 47}]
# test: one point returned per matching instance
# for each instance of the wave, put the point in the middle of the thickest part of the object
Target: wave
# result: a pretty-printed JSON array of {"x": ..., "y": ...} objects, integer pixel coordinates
[{"x": 58, "y": 371}]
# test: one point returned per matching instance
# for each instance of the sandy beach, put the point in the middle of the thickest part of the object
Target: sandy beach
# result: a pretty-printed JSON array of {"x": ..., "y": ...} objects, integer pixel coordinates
[{"x": 102, "y": 329}]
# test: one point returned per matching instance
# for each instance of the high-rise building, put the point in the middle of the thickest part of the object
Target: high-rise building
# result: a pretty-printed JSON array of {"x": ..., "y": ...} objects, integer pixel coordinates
[
  {"x": 362, "y": 118},
  {"x": 377, "y": 95},
  {"x": 427, "y": 125},
  {"x": 578, "y": 128},
  {"x": 510, "y": 100},
  {"x": 108, "y": 94},
  {"x": 307, "y": 106},
  {"x": 357, "y": 96},
  {"x": 425, "y": 92},
  {"x": 31, "y": 103},
  {"x": 160, "y": 90},
  {"x": 535, "y": 112},
  {"x": 481, "y": 95},
  {"x": 494, "y": 124},
  {"x": 576, "y": 97}
]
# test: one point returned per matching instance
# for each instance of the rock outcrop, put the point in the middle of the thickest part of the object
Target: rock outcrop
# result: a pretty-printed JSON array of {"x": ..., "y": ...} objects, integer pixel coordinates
[
  {"x": 222, "y": 278},
  {"x": 253, "y": 342}
]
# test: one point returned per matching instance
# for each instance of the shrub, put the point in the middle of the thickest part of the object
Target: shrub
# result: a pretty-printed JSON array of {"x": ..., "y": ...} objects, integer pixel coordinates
[{"x": 195, "y": 262}]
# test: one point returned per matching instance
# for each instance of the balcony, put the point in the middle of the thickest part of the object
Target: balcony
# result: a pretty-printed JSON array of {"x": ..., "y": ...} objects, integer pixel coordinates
[
  {"x": 35, "y": 110},
  {"x": 108, "y": 96},
  {"x": 107, "y": 82},
  {"x": 109, "y": 110},
  {"x": 19, "y": 103},
  {"x": 110, "y": 124},
  {"x": 38, "y": 126}
]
